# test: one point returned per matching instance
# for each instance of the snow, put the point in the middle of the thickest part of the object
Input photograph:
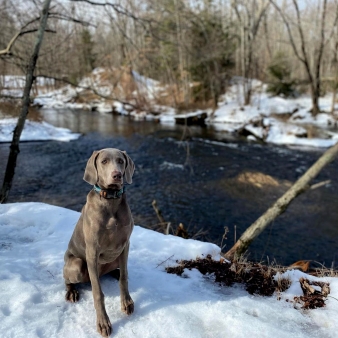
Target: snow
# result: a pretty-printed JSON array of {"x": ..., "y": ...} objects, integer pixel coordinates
[
  {"x": 269, "y": 119},
  {"x": 35, "y": 131},
  {"x": 275, "y": 119},
  {"x": 34, "y": 237},
  {"x": 168, "y": 165},
  {"x": 13, "y": 85}
]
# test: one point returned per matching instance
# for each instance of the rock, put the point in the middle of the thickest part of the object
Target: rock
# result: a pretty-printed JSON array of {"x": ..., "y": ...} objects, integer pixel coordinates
[{"x": 198, "y": 119}]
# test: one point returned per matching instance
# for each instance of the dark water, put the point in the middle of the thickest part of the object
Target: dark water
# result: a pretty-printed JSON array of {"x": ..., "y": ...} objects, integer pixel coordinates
[{"x": 196, "y": 182}]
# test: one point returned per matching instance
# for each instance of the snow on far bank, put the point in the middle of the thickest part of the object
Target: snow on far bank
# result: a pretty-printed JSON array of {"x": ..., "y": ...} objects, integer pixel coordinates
[
  {"x": 275, "y": 119},
  {"x": 34, "y": 237},
  {"x": 107, "y": 84},
  {"x": 35, "y": 131},
  {"x": 12, "y": 85},
  {"x": 231, "y": 116}
]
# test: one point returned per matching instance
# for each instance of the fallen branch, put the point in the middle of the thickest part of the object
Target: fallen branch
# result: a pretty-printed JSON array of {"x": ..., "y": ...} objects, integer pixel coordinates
[{"x": 281, "y": 205}]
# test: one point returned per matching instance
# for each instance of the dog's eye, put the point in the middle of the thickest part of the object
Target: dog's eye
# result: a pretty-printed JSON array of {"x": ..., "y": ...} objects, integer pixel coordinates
[
  {"x": 120, "y": 161},
  {"x": 104, "y": 161}
]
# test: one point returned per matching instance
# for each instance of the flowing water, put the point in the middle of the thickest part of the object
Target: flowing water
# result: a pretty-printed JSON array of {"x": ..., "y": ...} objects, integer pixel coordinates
[{"x": 206, "y": 182}]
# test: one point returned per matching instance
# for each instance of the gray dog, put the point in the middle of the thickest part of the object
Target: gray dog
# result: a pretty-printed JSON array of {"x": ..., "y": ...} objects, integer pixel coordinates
[{"x": 100, "y": 241}]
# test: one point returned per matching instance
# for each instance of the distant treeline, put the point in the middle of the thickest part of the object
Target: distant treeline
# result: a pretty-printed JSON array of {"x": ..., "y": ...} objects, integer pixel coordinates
[{"x": 195, "y": 47}]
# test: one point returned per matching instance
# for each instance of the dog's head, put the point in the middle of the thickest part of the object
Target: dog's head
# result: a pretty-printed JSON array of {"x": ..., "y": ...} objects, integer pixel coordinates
[{"x": 108, "y": 168}]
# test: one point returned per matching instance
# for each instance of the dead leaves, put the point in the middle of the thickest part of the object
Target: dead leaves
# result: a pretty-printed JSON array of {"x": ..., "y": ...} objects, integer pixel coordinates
[
  {"x": 258, "y": 279},
  {"x": 315, "y": 294},
  {"x": 301, "y": 265}
]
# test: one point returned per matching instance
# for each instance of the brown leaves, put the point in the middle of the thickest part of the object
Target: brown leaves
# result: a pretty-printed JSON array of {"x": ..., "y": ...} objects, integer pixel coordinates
[
  {"x": 301, "y": 265},
  {"x": 257, "y": 278},
  {"x": 313, "y": 297}
]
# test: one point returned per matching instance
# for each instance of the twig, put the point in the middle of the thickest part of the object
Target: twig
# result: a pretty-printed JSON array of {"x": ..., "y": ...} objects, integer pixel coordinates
[
  {"x": 164, "y": 261},
  {"x": 332, "y": 297},
  {"x": 226, "y": 230},
  {"x": 51, "y": 274},
  {"x": 320, "y": 184},
  {"x": 159, "y": 215}
]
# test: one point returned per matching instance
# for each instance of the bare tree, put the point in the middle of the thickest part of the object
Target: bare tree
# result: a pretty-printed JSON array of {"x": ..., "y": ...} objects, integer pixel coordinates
[
  {"x": 249, "y": 14},
  {"x": 302, "y": 49},
  {"x": 14, "y": 148}
]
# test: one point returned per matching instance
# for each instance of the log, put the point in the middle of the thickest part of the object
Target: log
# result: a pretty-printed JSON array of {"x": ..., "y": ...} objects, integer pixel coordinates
[{"x": 281, "y": 205}]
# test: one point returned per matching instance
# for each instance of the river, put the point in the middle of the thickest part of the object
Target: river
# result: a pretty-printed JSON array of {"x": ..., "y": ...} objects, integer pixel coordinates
[{"x": 198, "y": 176}]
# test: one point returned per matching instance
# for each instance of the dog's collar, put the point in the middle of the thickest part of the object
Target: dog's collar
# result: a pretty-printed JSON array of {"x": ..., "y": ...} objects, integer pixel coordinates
[{"x": 109, "y": 193}]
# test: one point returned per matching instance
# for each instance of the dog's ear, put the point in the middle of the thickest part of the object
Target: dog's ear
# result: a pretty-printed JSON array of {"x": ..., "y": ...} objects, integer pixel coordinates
[
  {"x": 130, "y": 168},
  {"x": 90, "y": 174}
]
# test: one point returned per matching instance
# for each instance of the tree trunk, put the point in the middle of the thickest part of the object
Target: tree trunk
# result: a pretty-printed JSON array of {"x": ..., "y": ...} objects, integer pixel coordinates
[
  {"x": 315, "y": 101},
  {"x": 14, "y": 148},
  {"x": 315, "y": 93},
  {"x": 281, "y": 205}
]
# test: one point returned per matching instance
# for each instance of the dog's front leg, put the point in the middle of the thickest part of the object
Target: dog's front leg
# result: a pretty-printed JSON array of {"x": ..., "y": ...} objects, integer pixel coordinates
[
  {"x": 127, "y": 304},
  {"x": 102, "y": 320}
]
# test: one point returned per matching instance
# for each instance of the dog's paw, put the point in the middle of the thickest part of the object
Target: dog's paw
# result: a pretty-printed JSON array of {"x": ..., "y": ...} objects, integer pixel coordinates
[
  {"x": 103, "y": 326},
  {"x": 72, "y": 296},
  {"x": 127, "y": 305}
]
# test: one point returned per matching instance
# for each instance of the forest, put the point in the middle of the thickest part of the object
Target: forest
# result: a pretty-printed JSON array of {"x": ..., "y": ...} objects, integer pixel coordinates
[{"x": 195, "y": 48}]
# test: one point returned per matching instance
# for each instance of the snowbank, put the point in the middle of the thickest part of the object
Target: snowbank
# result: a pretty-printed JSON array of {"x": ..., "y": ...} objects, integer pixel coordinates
[
  {"x": 268, "y": 119},
  {"x": 274, "y": 119},
  {"x": 35, "y": 131},
  {"x": 34, "y": 237}
]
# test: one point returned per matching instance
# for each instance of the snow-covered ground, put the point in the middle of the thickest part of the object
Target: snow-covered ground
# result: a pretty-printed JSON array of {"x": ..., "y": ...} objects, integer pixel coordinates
[
  {"x": 34, "y": 237},
  {"x": 12, "y": 85},
  {"x": 35, "y": 131}
]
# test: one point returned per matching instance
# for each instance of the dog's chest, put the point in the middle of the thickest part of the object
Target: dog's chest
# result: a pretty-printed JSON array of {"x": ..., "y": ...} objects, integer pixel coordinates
[
  {"x": 111, "y": 224},
  {"x": 114, "y": 233}
]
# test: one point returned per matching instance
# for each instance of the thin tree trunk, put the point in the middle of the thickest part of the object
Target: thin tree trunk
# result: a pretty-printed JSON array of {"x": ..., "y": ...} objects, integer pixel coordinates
[
  {"x": 281, "y": 205},
  {"x": 14, "y": 148},
  {"x": 334, "y": 96},
  {"x": 315, "y": 101}
]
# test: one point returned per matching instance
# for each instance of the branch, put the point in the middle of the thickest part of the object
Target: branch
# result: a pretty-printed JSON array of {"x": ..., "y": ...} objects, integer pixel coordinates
[
  {"x": 287, "y": 24},
  {"x": 64, "y": 17},
  {"x": 117, "y": 8},
  {"x": 322, "y": 41},
  {"x": 281, "y": 204},
  {"x": 301, "y": 33},
  {"x": 7, "y": 50}
]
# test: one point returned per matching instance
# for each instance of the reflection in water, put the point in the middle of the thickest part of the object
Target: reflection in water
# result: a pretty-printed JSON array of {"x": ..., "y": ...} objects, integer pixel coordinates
[{"x": 227, "y": 183}]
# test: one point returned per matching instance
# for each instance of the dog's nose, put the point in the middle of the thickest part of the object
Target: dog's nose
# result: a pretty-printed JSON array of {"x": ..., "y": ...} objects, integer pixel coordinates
[{"x": 116, "y": 175}]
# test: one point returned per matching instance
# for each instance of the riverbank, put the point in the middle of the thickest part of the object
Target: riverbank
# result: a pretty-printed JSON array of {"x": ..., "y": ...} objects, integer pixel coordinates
[{"x": 267, "y": 119}]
